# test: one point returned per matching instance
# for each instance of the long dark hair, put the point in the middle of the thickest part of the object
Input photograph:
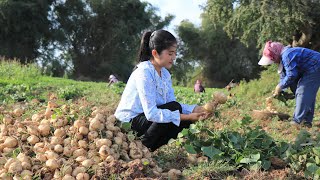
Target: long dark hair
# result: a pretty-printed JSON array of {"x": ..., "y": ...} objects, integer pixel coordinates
[{"x": 158, "y": 40}]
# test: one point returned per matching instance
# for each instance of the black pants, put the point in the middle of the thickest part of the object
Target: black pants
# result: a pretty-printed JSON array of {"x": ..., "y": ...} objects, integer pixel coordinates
[{"x": 155, "y": 134}]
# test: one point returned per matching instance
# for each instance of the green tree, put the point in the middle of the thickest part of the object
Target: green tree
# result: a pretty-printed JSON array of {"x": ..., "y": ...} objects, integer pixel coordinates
[
  {"x": 25, "y": 27},
  {"x": 222, "y": 58},
  {"x": 102, "y": 37},
  {"x": 294, "y": 22}
]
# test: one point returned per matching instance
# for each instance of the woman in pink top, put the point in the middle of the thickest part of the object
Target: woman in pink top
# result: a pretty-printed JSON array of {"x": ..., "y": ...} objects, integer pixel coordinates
[{"x": 198, "y": 87}]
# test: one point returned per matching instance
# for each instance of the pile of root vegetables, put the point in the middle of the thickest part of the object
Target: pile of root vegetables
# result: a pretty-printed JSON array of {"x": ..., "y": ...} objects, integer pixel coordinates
[{"x": 48, "y": 145}]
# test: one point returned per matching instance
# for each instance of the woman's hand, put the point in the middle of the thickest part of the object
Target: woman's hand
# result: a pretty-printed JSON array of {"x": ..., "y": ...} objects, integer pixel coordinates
[
  {"x": 277, "y": 90},
  {"x": 198, "y": 109}
]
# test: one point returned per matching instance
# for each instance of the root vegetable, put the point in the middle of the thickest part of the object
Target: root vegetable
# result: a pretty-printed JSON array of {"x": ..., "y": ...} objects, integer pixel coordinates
[
  {"x": 111, "y": 127},
  {"x": 125, "y": 146},
  {"x": 82, "y": 176},
  {"x": 118, "y": 140},
  {"x": 95, "y": 124},
  {"x": 83, "y": 130},
  {"x": 5, "y": 176},
  {"x": 41, "y": 157},
  {"x": 8, "y": 150},
  {"x": 35, "y": 117},
  {"x": 93, "y": 135},
  {"x": 52, "y": 164},
  {"x": 32, "y": 130},
  {"x": 83, "y": 144},
  {"x": 104, "y": 151},
  {"x": 18, "y": 112},
  {"x": 52, "y": 104},
  {"x": 9, "y": 162},
  {"x": 26, "y": 165},
  {"x": 87, "y": 163},
  {"x": 136, "y": 153},
  {"x": 109, "y": 158},
  {"x": 133, "y": 145},
  {"x": 10, "y": 142},
  {"x": 15, "y": 167},
  {"x": 48, "y": 113},
  {"x": 210, "y": 107},
  {"x": 80, "y": 159},
  {"x": 79, "y": 152},
  {"x": 111, "y": 119},
  {"x": 78, "y": 170},
  {"x": 51, "y": 155},
  {"x": 58, "y": 148},
  {"x": 220, "y": 97},
  {"x": 57, "y": 174},
  {"x": 56, "y": 140},
  {"x": 68, "y": 177},
  {"x": 44, "y": 129},
  {"x": 174, "y": 174},
  {"x": 67, "y": 151},
  {"x": 23, "y": 158},
  {"x": 78, "y": 136},
  {"x": 96, "y": 159},
  {"x": 102, "y": 142},
  {"x": 25, "y": 173},
  {"x": 109, "y": 134},
  {"x": 67, "y": 141},
  {"x": 202, "y": 159},
  {"x": 7, "y": 120},
  {"x": 92, "y": 153},
  {"x": 79, "y": 123},
  {"x": 99, "y": 116},
  {"x": 67, "y": 169},
  {"x": 192, "y": 158},
  {"x": 59, "y": 132},
  {"x": 38, "y": 147},
  {"x": 33, "y": 139}
]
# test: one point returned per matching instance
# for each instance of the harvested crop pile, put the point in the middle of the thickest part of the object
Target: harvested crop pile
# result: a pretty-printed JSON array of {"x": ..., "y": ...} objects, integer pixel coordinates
[{"x": 70, "y": 142}]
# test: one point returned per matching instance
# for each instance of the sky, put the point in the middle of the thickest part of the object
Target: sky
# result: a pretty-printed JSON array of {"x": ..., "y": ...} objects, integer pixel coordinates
[{"x": 182, "y": 9}]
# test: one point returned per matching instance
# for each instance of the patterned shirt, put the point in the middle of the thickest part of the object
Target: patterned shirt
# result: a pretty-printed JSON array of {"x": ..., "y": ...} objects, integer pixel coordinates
[
  {"x": 297, "y": 61},
  {"x": 145, "y": 90}
]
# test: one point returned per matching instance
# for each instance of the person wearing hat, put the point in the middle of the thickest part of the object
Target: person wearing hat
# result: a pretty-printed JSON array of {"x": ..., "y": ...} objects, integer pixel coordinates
[
  {"x": 112, "y": 79},
  {"x": 299, "y": 69}
]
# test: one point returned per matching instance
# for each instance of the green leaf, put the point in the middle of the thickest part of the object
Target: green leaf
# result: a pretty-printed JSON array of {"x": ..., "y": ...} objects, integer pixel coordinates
[
  {"x": 131, "y": 136},
  {"x": 317, "y": 160},
  {"x": 256, "y": 166},
  {"x": 266, "y": 164},
  {"x": 126, "y": 126},
  {"x": 255, "y": 157},
  {"x": 316, "y": 151},
  {"x": 245, "y": 160},
  {"x": 193, "y": 129},
  {"x": 211, "y": 151},
  {"x": 190, "y": 149},
  {"x": 312, "y": 167}
]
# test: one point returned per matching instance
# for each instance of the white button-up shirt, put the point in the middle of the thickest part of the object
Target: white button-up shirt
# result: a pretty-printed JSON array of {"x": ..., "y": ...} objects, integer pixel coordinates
[{"x": 145, "y": 90}]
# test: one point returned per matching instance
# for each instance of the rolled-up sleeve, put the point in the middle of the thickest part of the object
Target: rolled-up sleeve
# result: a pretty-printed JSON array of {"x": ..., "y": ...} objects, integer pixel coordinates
[
  {"x": 290, "y": 66},
  {"x": 146, "y": 88}
]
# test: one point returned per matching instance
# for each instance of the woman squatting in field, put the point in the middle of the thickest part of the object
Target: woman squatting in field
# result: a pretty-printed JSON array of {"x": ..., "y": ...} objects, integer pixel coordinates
[{"x": 148, "y": 100}]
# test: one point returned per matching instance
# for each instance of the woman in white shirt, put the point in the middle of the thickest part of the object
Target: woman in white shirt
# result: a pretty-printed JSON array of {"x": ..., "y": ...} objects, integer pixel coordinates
[{"x": 148, "y": 100}]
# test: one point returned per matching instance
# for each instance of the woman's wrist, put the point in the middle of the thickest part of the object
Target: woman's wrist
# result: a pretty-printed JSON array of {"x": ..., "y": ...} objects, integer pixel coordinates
[{"x": 184, "y": 117}]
